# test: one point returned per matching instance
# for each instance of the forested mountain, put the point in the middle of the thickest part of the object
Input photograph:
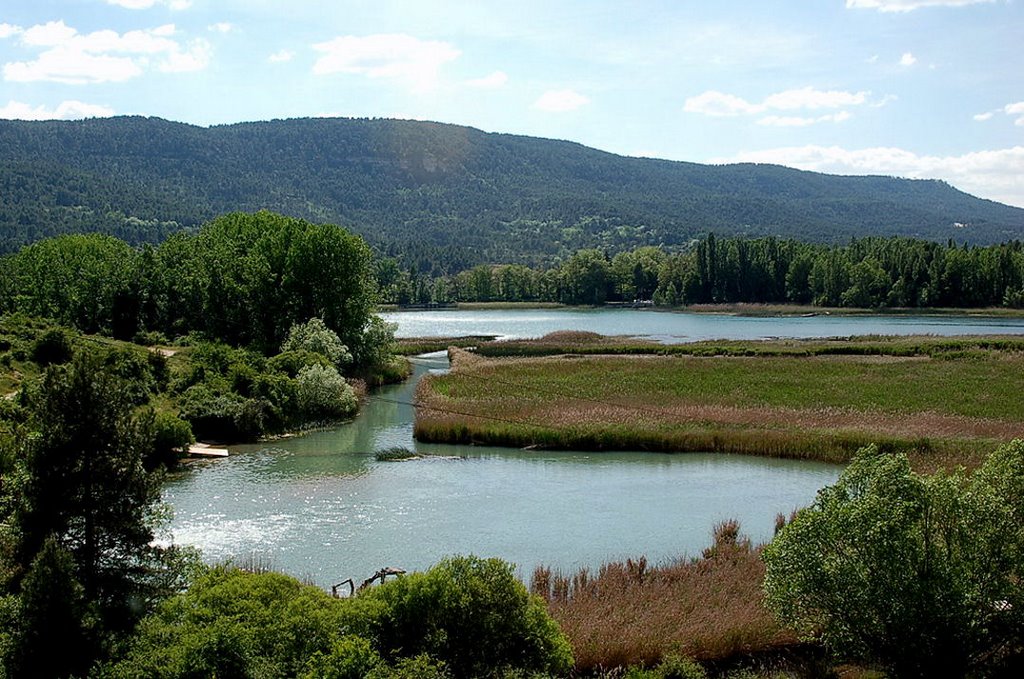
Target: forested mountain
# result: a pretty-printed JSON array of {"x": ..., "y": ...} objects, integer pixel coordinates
[{"x": 442, "y": 197}]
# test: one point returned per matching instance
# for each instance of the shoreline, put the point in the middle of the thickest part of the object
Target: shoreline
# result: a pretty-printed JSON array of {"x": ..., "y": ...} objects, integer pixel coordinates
[{"x": 750, "y": 309}]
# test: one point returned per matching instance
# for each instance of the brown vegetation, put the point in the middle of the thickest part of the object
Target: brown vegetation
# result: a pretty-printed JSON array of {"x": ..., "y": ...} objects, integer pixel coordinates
[{"x": 632, "y": 613}]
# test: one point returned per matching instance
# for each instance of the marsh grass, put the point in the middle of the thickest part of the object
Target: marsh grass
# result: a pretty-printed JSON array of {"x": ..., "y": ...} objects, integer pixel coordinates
[
  {"x": 631, "y": 613},
  {"x": 939, "y": 400},
  {"x": 395, "y": 453},
  {"x": 412, "y": 346}
]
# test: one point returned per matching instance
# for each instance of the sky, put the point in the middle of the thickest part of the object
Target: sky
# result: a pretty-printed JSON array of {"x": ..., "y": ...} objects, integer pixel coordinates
[{"x": 910, "y": 88}]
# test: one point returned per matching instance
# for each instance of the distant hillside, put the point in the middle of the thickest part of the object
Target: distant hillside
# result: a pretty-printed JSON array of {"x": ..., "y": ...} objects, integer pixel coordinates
[{"x": 442, "y": 193}]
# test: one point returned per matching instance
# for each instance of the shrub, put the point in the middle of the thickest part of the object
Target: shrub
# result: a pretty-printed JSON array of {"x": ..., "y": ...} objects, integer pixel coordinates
[
  {"x": 324, "y": 394},
  {"x": 471, "y": 613},
  {"x": 53, "y": 347},
  {"x": 291, "y": 362},
  {"x": 314, "y": 336},
  {"x": 234, "y": 624},
  {"x": 172, "y": 437}
]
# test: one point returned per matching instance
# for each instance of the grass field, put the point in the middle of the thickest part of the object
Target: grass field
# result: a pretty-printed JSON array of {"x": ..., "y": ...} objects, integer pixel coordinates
[{"x": 941, "y": 400}]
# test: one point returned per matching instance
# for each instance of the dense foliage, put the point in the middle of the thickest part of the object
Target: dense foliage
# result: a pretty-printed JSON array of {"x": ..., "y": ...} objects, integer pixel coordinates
[
  {"x": 443, "y": 197},
  {"x": 465, "y": 617},
  {"x": 244, "y": 279},
  {"x": 921, "y": 576},
  {"x": 866, "y": 273},
  {"x": 78, "y": 562}
]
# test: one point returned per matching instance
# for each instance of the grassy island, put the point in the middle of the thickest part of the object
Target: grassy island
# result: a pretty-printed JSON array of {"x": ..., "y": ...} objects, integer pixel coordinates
[{"x": 941, "y": 400}]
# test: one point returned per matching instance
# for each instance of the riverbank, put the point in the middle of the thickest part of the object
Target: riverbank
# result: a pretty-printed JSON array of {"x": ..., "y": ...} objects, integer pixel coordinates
[{"x": 943, "y": 401}]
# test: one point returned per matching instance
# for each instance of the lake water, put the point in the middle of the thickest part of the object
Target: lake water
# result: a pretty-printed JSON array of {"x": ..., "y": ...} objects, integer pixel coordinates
[{"x": 322, "y": 507}]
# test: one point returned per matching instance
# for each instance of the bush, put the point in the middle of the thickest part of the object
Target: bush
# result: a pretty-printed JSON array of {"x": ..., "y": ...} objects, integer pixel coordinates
[
  {"x": 53, "y": 347},
  {"x": 471, "y": 613},
  {"x": 234, "y": 624},
  {"x": 172, "y": 437},
  {"x": 314, "y": 336},
  {"x": 324, "y": 394},
  {"x": 291, "y": 362},
  {"x": 921, "y": 576}
]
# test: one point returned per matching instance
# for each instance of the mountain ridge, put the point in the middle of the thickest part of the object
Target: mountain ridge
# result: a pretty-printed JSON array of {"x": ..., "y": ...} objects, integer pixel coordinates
[{"x": 440, "y": 192}]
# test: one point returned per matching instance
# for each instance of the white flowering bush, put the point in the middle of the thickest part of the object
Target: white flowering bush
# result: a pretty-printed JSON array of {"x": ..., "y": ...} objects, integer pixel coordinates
[
  {"x": 316, "y": 337},
  {"x": 324, "y": 394}
]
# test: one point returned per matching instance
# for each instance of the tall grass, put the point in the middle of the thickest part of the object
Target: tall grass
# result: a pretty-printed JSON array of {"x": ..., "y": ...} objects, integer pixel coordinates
[{"x": 632, "y": 613}]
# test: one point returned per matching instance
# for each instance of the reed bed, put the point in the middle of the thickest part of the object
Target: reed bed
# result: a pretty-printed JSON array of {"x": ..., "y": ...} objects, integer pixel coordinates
[
  {"x": 631, "y": 613},
  {"x": 947, "y": 404},
  {"x": 411, "y": 346}
]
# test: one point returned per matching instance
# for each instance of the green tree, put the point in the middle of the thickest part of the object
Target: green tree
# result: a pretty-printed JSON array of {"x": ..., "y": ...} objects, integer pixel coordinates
[
  {"x": 84, "y": 488},
  {"x": 921, "y": 576}
]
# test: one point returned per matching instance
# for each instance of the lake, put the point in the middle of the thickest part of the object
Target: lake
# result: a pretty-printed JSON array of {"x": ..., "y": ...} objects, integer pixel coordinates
[{"x": 321, "y": 506}]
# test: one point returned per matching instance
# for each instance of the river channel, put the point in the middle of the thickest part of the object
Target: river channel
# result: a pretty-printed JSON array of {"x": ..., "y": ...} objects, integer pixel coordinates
[{"x": 320, "y": 506}]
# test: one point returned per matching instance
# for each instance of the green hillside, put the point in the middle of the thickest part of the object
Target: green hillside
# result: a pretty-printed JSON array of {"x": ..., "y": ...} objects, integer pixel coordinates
[{"x": 442, "y": 193}]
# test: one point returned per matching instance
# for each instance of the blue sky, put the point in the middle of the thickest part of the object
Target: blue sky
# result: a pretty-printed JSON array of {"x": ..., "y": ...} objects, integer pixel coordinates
[{"x": 914, "y": 88}]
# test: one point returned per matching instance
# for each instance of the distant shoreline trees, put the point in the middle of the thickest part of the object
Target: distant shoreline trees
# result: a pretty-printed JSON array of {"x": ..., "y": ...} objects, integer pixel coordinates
[{"x": 865, "y": 273}]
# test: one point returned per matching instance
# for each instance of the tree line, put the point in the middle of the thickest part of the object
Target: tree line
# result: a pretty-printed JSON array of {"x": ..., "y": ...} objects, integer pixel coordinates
[{"x": 864, "y": 273}]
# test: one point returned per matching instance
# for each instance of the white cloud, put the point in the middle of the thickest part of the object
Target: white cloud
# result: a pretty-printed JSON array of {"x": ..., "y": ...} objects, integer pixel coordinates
[
  {"x": 982, "y": 117},
  {"x": 909, "y": 5},
  {"x": 72, "y": 67},
  {"x": 908, "y": 59},
  {"x": 49, "y": 34},
  {"x": 7, "y": 30},
  {"x": 195, "y": 58},
  {"x": 560, "y": 101},
  {"x": 797, "y": 121},
  {"x": 997, "y": 175},
  {"x": 1015, "y": 109},
  {"x": 810, "y": 98},
  {"x": 490, "y": 82},
  {"x": 66, "y": 110},
  {"x": 719, "y": 104},
  {"x": 73, "y": 58},
  {"x": 393, "y": 55},
  {"x": 281, "y": 56},
  {"x": 146, "y": 4},
  {"x": 221, "y": 27}
]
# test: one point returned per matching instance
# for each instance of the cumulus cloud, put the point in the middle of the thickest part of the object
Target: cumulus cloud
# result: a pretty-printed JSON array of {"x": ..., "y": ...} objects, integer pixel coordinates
[
  {"x": 66, "y": 110},
  {"x": 392, "y": 55},
  {"x": 490, "y": 82},
  {"x": 997, "y": 174},
  {"x": 719, "y": 104},
  {"x": 908, "y": 59},
  {"x": 1015, "y": 109},
  {"x": 909, "y": 5},
  {"x": 73, "y": 58},
  {"x": 560, "y": 101},
  {"x": 7, "y": 30},
  {"x": 798, "y": 121},
  {"x": 281, "y": 56},
  {"x": 146, "y": 4}
]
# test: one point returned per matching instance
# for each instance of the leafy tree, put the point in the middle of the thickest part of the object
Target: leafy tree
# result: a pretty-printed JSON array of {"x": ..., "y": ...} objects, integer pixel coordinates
[
  {"x": 922, "y": 576},
  {"x": 85, "y": 511}
]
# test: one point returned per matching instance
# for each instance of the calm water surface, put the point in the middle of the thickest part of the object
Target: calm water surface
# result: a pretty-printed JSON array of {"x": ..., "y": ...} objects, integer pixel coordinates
[{"x": 321, "y": 506}]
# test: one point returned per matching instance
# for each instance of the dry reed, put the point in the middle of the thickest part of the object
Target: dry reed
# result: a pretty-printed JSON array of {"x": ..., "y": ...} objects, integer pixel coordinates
[{"x": 631, "y": 613}]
